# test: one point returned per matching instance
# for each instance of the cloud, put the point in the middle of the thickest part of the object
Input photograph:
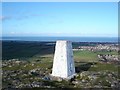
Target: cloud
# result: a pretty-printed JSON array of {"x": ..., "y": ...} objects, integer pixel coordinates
[
  {"x": 21, "y": 17},
  {"x": 5, "y": 17},
  {"x": 12, "y": 32},
  {"x": 1, "y": 17},
  {"x": 51, "y": 18},
  {"x": 42, "y": 15}
]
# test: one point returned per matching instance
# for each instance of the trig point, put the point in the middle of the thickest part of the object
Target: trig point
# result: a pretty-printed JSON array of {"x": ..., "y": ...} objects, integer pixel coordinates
[{"x": 63, "y": 64}]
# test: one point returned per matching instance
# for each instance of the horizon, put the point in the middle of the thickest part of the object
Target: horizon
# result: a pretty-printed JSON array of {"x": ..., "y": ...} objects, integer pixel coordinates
[
  {"x": 66, "y": 36},
  {"x": 73, "y": 39}
]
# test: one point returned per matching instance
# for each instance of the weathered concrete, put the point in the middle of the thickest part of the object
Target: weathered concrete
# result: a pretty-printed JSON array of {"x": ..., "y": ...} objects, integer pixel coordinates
[{"x": 63, "y": 64}]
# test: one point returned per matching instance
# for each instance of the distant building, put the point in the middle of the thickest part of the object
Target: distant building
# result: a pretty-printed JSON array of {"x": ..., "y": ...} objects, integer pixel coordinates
[{"x": 63, "y": 64}]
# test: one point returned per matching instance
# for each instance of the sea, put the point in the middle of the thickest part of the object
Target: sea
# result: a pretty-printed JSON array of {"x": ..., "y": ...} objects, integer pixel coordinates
[{"x": 73, "y": 39}]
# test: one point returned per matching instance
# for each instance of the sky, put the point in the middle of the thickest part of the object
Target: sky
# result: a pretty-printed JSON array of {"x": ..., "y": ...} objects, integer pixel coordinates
[{"x": 94, "y": 19}]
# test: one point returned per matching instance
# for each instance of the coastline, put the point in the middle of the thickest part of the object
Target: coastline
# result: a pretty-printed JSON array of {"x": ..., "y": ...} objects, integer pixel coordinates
[{"x": 53, "y": 39}]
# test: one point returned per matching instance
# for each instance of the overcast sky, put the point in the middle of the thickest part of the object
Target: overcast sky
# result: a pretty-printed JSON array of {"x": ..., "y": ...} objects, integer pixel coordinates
[{"x": 60, "y": 19}]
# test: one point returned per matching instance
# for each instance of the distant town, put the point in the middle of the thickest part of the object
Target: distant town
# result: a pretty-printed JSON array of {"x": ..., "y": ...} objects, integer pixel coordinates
[{"x": 105, "y": 47}]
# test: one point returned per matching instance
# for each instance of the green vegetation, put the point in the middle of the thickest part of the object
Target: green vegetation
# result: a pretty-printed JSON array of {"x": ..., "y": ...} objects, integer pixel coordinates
[
  {"x": 107, "y": 52},
  {"x": 24, "y": 50},
  {"x": 90, "y": 56},
  {"x": 104, "y": 67},
  {"x": 85, "y": 56},
  {"x": 40, "y": 55},
  {"x": 84, "y": 60}
]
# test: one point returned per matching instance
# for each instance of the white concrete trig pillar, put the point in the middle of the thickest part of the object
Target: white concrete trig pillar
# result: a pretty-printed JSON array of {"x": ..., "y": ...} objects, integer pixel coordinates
[{"x": 63, "y": 64}]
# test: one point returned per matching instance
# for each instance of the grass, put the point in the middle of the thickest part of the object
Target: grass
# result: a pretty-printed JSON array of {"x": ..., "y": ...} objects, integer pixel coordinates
[
  {"x": 90, "y": 56},
  {"x": 104, "y": 67},
  {"x": 85, "y": 56},
  {"x": 24, "y": 50},
  {"x": 107, "y": 52},
  {"x": 43, "y": 65}
]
